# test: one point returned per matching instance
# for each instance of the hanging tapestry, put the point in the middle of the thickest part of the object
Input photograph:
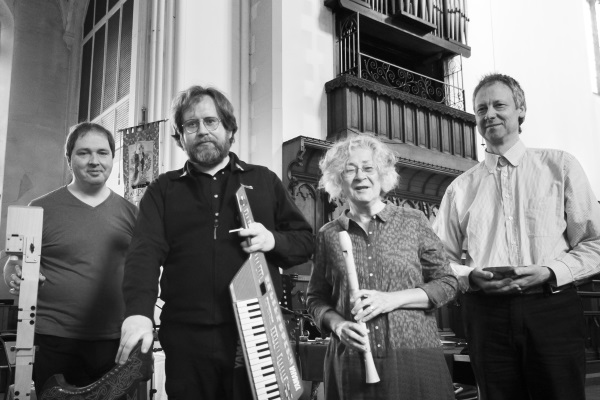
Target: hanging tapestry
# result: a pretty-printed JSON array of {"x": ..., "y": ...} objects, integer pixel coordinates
[{"x": 140, "y": 159}]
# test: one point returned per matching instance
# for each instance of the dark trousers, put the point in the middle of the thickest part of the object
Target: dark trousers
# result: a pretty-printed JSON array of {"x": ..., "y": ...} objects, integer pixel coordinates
[
  {"x": 200, "y": 363},
  {"x": 81, "y": 362},
  {"x": 527, "y": 347}
]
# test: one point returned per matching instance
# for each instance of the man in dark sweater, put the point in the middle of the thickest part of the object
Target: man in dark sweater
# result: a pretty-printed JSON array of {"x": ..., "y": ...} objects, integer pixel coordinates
[
  {"x": 184, "y": 223},
  {"x": 87, "y": 228}
]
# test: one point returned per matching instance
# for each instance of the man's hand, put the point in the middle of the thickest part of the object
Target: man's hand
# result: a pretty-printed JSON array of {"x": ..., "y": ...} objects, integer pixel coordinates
[
  {"x": 133, "y": 329},
  {"x": 485, "y": 281},
  {"x": 352, "y": 335},
  {"x": 260, "y": 238},
  {"x": 531, "y": 276},
  {"x": 13, "y": 275}
]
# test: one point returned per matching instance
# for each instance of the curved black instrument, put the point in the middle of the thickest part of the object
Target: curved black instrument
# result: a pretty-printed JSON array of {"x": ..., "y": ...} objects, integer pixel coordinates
[{"x": 121, "y": 380}]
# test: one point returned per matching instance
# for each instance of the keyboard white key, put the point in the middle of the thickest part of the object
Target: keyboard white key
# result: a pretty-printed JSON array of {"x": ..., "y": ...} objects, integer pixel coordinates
[{"x": 263, "y": 341}]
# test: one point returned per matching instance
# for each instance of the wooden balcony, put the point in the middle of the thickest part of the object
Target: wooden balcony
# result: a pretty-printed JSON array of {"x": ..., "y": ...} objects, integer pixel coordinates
[
  {"x": 434, "y": 143},
  {"x": 424, "y": 133},
  {"x": 427, "y": 26}
]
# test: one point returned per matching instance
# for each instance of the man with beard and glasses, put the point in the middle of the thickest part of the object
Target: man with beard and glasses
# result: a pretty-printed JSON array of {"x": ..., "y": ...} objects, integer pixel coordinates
[{"x": 183, "y": 225}]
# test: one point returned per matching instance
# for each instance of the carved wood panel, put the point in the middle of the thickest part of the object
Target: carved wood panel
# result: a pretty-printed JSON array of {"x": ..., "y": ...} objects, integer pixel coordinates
[{"x": 357, "y": 105}]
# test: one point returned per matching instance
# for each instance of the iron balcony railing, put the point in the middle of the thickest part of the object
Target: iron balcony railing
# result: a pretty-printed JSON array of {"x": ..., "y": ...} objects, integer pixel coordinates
[
  {"x": 411, "y": 82},
  {"x": 353, "y": 62}
]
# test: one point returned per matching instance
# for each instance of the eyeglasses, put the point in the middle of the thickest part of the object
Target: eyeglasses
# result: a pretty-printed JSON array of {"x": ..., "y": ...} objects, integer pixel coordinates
[
  {"x": 193, "y": 125},
  {"x": 350, "y": 171}
]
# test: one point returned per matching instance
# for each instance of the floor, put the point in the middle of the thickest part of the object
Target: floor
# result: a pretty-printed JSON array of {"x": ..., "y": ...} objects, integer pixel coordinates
[{"x": 592, "y": 390}]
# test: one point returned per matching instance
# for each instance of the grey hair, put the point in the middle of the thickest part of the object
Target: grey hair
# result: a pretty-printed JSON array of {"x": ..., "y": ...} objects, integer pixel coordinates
[
  {"x": 511, "y": 83},
  {"x": 334, "y": 161}
]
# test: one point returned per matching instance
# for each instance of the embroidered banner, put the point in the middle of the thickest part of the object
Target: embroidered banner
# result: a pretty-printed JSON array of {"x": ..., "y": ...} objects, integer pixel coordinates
[{"x": 140, "y": 159}]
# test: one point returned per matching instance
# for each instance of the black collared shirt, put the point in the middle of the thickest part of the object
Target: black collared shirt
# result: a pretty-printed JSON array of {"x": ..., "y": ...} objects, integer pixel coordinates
[
  {"x": 176, "y": 229},
  {"x": 213, "y": 187}
]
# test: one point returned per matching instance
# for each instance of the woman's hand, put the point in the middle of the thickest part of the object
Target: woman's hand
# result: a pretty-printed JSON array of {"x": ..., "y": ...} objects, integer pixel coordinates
[
  {"x": 368, "y": 304},
  {"x": 352, "y": 335}
]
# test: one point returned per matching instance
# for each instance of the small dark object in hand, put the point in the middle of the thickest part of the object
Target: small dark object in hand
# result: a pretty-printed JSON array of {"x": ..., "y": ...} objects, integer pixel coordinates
[{"x": 501, "y": 272}]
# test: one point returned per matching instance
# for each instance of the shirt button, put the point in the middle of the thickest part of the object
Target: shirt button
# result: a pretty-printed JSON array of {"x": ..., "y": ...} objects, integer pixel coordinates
[
  {"x": 510, "y": 218},
  {"x": 376, "y": 327},
  {"x": 216, "y": 195},
  {"x": 370, "y": 233},
  {"x": 214, "y": 178},
  {"x": 370, "y": 274},
  {"x": 506, "y": 195},
  {"x": 378, "y": 345},
  {"x": 216, "y": 214},
  {"x": 369, "y": 258}
]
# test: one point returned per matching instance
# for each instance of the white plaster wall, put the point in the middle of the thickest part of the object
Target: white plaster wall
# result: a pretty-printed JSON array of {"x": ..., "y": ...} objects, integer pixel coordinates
[
  {"x": 265, "y": 83},
  {"x": 308, "y": 63},
  {"x": 291, "y": 45},
  {"x": 542, "y": 44},
  {"x": 281, "y": 52},
  {"x": 207, "y": 53}
]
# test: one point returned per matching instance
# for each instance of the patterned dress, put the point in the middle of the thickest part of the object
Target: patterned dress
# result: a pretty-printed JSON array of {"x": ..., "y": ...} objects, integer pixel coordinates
[{"x": 399, "y": 251}]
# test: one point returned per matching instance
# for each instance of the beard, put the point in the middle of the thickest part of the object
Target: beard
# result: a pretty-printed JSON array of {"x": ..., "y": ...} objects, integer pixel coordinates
[{"x": 208, "y": 152}]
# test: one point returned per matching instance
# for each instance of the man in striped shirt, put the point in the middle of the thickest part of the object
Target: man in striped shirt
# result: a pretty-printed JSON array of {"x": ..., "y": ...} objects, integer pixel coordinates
[{"x": 533, "y": 213}]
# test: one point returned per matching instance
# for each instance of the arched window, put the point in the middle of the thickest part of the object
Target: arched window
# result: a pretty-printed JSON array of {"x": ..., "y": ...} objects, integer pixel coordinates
[{"x": 104, "y": 95}]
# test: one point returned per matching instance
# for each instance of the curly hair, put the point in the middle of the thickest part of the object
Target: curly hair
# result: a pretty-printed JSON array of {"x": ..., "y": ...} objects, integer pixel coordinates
[
  {"x": 334, "y": 161},
  {"x": 511, "y": 83},
  {"x": 189, "y": 98}
]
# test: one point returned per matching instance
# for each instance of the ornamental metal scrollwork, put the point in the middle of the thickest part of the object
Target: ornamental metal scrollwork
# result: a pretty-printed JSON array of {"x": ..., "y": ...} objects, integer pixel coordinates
[{"x": 409, "y": 82}]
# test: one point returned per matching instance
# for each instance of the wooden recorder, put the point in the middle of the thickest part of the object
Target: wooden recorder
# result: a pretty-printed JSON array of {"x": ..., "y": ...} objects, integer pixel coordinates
[{"x": 371, "y": 372}]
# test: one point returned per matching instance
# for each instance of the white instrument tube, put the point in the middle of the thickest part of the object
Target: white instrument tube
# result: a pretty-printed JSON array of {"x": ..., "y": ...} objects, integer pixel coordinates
[{"x": 371, "y": 372}]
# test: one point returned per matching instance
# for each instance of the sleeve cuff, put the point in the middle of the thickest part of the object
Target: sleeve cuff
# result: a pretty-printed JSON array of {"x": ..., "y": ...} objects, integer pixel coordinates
[
  {"x": 318, "y": 319},
  {"x": 561, "y": 272},
  {"x": 435, "y": 293},
  {"x": 462, "y": 273},
  {"x": 139, "y": 309}
]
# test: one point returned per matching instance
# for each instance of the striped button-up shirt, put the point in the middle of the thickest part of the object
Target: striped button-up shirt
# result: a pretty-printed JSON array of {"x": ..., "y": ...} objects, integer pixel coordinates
[{"x": 529, "y": 206}]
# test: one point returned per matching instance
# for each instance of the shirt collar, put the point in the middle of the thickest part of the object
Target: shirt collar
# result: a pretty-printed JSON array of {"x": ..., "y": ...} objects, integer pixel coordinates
[
  {"x": 514, "y": 155},
  {"x": 383, "y": 215}
]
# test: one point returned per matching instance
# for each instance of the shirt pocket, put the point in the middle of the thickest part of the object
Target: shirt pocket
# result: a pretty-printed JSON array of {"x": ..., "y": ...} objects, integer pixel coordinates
[{"x": 540, "y": 216}]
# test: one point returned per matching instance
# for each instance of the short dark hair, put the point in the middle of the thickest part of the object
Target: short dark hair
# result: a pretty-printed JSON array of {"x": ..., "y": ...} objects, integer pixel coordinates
[
  {"x": 190, "y": 97},
  {"x": 511, "y": 83},
  {"x": 83, "y": 129}
]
